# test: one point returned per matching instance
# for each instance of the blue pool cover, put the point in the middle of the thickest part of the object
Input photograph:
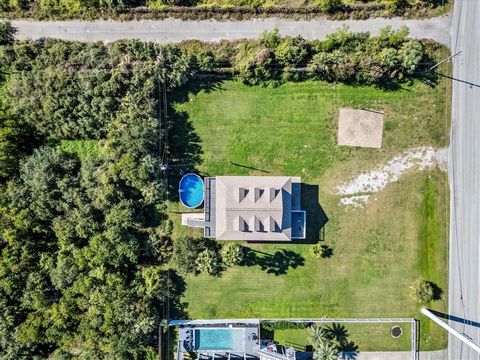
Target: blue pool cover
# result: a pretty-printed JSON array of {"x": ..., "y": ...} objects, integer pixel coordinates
[{"x": 190, "y": 190}]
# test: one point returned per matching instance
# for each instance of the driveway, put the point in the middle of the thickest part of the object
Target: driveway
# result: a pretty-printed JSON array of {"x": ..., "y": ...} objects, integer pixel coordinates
[{"x": 172, "y": 30}]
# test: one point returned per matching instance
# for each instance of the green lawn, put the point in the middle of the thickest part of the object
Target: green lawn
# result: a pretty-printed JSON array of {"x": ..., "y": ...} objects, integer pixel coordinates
[
  {"x": 368, "y": 337},
  {"x": 378, "y": 251}
]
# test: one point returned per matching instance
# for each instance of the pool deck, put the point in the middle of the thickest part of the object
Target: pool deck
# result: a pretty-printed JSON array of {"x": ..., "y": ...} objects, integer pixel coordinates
[{"x": 250, "y": 339}]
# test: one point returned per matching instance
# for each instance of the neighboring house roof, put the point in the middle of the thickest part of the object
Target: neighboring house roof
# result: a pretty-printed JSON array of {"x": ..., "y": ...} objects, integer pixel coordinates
[{"x": 253, "y": 208}]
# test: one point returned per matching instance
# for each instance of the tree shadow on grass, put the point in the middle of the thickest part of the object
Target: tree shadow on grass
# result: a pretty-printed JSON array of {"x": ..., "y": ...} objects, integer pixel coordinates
[
  {"x": 184, "y": 145},
  {"x": 277, "y": 263},
  {"x": 175, "y": 286},
  {"x": 339, "y": 334},
  {"x": 437, "y": 291}
]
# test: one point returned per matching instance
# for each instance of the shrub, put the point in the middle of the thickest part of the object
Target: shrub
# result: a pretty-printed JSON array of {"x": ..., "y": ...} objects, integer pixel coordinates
[
  {"x": 329, "y": 5},
  {"x": 292, "y": 74},
  {"x": 271, "y": 39},
  {"x": 411, "y": 54},
  {"x": 389, "y": 59},
  {"x": 334, "y": 66},
  {"x": 321, "y": 251},
  {"x": 283, "y": 325},
  {"x": 7, "y": 33},
  {"x": 232, "y": 254},
  {"x": 206, "y": 61},
  {"x": 422, "y": 291},
  {"x": 158, "y": 4},
  {"x": 68, "y": 6},
  {"x": 345, "y": 40},
  {"x": 208, "y": 262},
  {"x": 397, "y": 6},
  {"x": 159, "y": 242},
  {"x": 185, "y": 251},
  {"x": 14, "y": 5},
  {"x": 292, "y": 51},
  {"x": 392, "y": 38},
  {"x": 253, "y": 64},
  {"x": 369, "y": 71}
]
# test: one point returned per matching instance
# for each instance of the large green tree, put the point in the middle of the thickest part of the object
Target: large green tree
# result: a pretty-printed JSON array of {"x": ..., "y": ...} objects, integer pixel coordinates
[{"x": 83, "y": 243}]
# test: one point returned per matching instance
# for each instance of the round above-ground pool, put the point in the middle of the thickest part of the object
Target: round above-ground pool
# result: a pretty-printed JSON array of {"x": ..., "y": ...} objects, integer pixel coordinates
[{"x": 190, "y": 190}]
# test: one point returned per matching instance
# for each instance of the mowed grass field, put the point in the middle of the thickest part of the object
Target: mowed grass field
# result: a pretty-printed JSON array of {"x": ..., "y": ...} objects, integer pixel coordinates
[
  {"x": 368, "y": 337},
  {"x": 378, "y": 250}
]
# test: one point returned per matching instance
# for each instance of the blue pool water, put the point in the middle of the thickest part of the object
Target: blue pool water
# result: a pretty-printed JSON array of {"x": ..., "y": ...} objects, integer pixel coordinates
[
  {"x": 190, "y": 190},
  {"x": 216, "y": 339}
]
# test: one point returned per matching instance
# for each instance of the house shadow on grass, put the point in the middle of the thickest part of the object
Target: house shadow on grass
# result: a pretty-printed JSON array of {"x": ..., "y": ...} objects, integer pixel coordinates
[{"x": 316, "y": 216}]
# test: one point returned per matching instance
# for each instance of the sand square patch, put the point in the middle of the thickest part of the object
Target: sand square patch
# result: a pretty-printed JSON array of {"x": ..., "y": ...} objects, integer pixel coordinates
[{"x": 362, "y": 128}]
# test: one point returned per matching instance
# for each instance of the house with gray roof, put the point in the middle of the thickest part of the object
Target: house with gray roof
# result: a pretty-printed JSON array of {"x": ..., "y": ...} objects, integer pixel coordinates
[{"x": 251, "y": 208}]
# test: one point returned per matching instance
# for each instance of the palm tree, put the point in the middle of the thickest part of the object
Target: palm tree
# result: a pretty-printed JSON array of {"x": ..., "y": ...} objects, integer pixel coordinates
[
  {"x": 318, "y": 335},
  {"x": 208, "y": 261},
  {"x": 232, "y": 254},
  {"x": 325, "y": 350}
]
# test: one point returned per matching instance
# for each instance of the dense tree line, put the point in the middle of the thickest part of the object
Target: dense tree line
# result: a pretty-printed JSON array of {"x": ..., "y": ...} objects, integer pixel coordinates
[{"x": 83, "y": 244}]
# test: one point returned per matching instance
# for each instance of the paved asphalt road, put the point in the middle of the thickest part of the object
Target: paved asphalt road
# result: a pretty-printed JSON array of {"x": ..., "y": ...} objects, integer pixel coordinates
[
  {"x": 464, "y": 173},
  {"x": 171, "y": 30}
]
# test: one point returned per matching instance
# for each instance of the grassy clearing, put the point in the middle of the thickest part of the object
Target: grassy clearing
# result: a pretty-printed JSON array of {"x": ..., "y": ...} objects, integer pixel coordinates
[
  {"x": 84, "y": 149},
  {"x": 378, "y": 251},
  {"x": 292, "y": 129}
]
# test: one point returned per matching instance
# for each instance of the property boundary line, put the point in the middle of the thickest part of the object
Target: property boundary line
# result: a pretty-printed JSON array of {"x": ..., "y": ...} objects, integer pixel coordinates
[{"x": 412, "y": 321}]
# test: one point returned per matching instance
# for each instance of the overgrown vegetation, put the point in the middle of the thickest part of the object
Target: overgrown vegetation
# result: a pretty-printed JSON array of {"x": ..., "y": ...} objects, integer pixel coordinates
[
  {"x": 83, "y": 239},
  {"x": 283, "y": 325},
  {"x": 220, "y": 9},
  {"x": 345, "y": 56}
]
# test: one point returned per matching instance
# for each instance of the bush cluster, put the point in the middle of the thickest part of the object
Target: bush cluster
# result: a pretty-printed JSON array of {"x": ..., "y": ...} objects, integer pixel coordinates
[
  {"x": 199, "y": 255},
  {"x": 283, "y": 325},
  {"x": 344, "y": 57},
  {"x": 355, "y": 58}
]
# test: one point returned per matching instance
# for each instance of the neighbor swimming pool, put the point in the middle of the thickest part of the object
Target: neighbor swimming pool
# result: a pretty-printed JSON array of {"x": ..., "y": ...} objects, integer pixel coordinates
[
  {"x": 218, "y": 339},
  {"x": 190, "y": 190}
]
